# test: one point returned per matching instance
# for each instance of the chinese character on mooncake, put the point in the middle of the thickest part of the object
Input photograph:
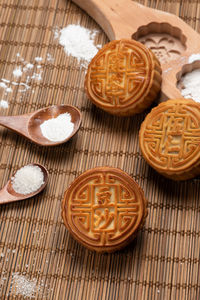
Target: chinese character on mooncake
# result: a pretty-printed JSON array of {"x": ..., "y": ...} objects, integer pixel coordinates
[
  {"x": 124, "y": 78},
  {"x": 170, "y": 139},
  {"x": 103, "y": 209}
]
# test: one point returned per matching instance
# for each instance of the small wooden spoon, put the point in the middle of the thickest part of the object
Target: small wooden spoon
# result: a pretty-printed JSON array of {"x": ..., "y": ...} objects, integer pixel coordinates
[
  {"x": 28, "y": 125},
  {"x": 7, "y": 194}
]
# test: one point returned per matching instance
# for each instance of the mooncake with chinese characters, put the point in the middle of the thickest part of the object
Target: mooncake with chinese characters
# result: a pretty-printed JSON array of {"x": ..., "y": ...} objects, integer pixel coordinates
[
  {"x": 170, "y": 138},
  {"x": 103, "y": 209},
  {"x": 123, "y": 78}
]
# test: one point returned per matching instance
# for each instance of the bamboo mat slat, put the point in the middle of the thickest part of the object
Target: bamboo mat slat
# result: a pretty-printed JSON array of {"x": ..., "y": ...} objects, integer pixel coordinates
[{"x": 163, "y": 261}]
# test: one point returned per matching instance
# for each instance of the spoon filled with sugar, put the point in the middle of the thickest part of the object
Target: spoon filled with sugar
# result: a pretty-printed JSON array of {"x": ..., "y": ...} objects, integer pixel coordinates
[
  {"x": 27, "y": 182},
  {"x": 49, "y": 126}
]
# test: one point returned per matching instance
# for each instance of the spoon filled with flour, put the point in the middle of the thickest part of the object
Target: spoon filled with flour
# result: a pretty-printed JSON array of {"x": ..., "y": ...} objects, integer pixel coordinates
[
  {"x": 58, "y": 129},
  {"x": 48, "y": 126},
  {"x": 27, "y": 182}
]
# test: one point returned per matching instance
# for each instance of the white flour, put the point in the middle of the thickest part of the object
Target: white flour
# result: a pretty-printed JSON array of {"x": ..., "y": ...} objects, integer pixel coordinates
[
  {"x": 193, "y": 58},
  {"x": 3, "y": 85},
  {"x": 78, "y": 42},
  {"x": 4, "y": 104},
  {"x": 17, "y": 72},
  {"x": 38, "y": 59},
  {"x": 190, "y": 85},
  {"x": 57, "y": 129},
  {"x": 50, "y": 58},
  {"x": 21, "y": 78}
]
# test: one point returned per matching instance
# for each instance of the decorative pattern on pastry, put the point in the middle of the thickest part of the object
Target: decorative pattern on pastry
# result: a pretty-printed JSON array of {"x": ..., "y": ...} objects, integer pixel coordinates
[
  {"x": 124, "y": 78},
  {"x": 170, "y": 138},
  {"x": 104, "y": 208}
]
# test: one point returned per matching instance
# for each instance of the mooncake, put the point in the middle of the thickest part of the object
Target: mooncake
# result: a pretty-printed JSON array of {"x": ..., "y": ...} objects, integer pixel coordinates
[
  {"x": 103, "y": 209},
  {"x": 124, "y": 78},
  {"x": 170, "y": 139}
]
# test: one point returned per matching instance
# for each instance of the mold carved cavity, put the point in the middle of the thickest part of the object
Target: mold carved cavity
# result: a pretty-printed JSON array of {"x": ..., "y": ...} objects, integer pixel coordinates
[{"x": 167, "y": 42}]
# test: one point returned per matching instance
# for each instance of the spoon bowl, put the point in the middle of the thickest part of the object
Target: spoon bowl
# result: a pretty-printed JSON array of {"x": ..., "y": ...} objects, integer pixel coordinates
[
  {"x": 8, "y": 194},
  {"x": 28, "y": 125}
]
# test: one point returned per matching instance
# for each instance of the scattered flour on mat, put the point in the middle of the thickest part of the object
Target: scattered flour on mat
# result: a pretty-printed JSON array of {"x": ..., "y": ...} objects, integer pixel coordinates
[
  {"x": 21, "y": 285},
  {"x": 3, "y": 85},
  {"x": 50, "y": 58},
  {"x": 28, "y": 66},
  {"x": 17, "y": 72},
  {"x": 38, "y": 59},
  {"x": 4, "y": 104},
  {"x": 78, "y": 42},
  {"x": 37, "y": 76},
  {"x": 22, "y": 76},
  {"x": 190, "y": 85}
]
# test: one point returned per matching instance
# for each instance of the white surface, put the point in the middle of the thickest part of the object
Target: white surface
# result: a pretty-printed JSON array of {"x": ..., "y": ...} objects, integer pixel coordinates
[
  {"x": 57, "y": 129},
  {"x": 78, "y": 42},
  {"x": 191, "y": 85},
  {"x": 28, "y": 179}
]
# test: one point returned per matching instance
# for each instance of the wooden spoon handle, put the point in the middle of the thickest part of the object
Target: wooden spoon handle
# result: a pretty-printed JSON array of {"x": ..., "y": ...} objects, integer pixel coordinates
[
  {"x": 18, "y": 124},
  {"x": 5, "y": 197}
]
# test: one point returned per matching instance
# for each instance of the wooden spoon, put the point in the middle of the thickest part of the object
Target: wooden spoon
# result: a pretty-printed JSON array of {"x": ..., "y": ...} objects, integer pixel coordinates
[
  {"x": 128, "y": 19},
  {"x": 7, "y": 194},
  {"x": 28, "y": 125}
]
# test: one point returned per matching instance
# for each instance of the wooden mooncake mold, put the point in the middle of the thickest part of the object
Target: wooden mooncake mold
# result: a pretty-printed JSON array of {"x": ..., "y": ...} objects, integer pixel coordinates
[
  {"x": 103, "y": 209},
  {"x": 170, "y": 138},
  {"x": 124, "y": 78}
]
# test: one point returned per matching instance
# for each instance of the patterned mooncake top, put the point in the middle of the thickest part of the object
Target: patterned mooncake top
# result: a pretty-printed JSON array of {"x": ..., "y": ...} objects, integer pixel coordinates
[
  {"x": 170, "y": 136},
  {"x": 103, "y": 208},
  {"x": 120, "y": 75}
]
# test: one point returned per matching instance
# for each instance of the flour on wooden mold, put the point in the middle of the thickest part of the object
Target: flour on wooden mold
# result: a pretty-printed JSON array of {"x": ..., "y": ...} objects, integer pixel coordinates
[
  {"x": 189, "y": 85},
  {"x": 193, "y": 58}
]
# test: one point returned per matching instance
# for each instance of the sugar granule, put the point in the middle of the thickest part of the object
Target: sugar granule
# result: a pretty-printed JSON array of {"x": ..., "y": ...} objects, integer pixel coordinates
[
  {"x": 78, "y": 42},
  {"x": 24, "y": 286},
  {"x": 28, "y": 179},
  {"x": 57, "y": 129}
]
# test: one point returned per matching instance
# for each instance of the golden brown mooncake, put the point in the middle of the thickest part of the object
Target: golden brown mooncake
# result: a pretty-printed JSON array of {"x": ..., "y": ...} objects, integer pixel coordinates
[
  {"x": 170, "y": 138},
  {"x": 103, "y": 209},
  {"x": 124, "y": 78}
]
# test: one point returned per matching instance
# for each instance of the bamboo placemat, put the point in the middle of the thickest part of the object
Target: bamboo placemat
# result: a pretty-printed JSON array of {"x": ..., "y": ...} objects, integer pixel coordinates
[{"x": 36, "y": 251}]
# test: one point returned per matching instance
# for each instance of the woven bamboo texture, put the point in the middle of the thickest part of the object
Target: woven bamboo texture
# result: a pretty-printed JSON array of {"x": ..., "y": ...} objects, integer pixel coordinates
[{"x": 36, "y": 251}]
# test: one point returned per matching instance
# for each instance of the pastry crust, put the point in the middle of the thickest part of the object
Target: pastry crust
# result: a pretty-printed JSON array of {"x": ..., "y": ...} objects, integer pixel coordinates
[
  {"x": 104, "y": 208},
  {"x": 123, "y": 78},
  {"x": 170, "y": 138}
]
